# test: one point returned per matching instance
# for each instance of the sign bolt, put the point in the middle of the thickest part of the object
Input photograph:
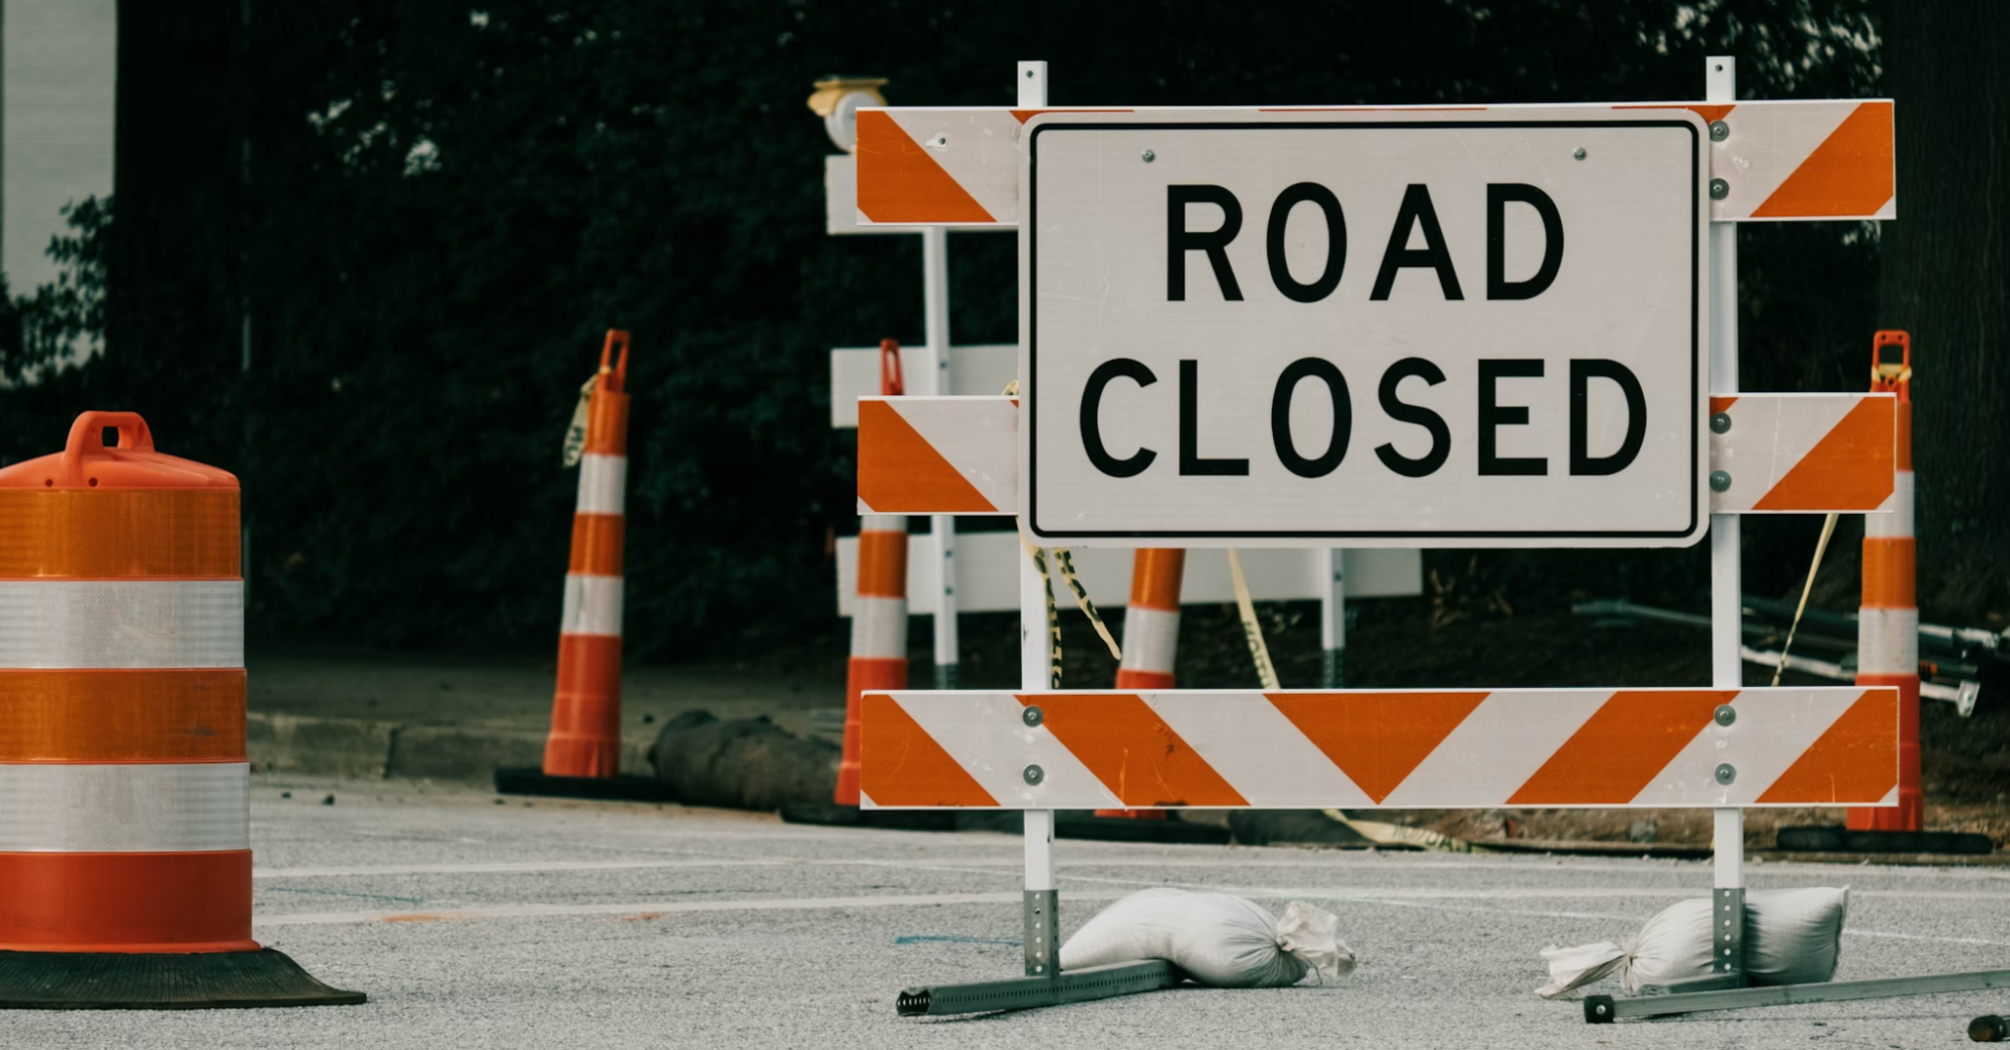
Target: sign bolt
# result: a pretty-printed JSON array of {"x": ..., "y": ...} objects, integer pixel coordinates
[
  {"x": 1150, "y": 156},
  {"x": 1719, "y": 131},
  {"x": 1726, "y": 715},
  {"x": 1032, "y": 716},
  {"x": 1034, "y": 774},
  {"x": 1719, "y": 189},
  {"x": 1578, "y": 153},
  {"x": 1720, "y": 481},
  {"x": 1720, "y": 423},
  {"x": 1725, "y": 772}
]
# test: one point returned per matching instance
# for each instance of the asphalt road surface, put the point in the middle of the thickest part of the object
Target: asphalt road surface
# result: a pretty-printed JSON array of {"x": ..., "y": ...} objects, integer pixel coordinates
[{"x": 582, "y": 926}]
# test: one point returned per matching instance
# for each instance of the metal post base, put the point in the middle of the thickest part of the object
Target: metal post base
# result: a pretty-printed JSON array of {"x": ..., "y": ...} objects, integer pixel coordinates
[
  {"x": 1605, "y": 1009},
  {"x": 1042, "y": 926},
  {"x": 1020, "y": 993}
]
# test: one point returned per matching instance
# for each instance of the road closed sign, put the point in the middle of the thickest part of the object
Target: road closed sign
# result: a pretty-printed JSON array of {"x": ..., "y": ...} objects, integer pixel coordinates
[{"x": 1382, "y": 328}]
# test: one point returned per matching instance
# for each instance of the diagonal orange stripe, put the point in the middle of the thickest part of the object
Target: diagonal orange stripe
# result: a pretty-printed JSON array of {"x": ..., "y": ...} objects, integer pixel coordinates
[
  {"x": 1850, "y": 468},
  {"x": 1722, "y": 404},
  {"x": 901, "y": 765},
  {"x": 1856, "y": 761},
  {"x": 899, "y": 182},
  {"x": 900, "y": 472},
  {"x": 1620, "y": 748},
  {"x": 1132, "y": 751},
  {"x": 1377, "y": 739},
  {"x": 1850, "y": 173}
]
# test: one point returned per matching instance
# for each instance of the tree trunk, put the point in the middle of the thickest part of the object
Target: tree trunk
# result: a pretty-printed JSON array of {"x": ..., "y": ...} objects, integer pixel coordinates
[{"x": 1946, "y": 279}]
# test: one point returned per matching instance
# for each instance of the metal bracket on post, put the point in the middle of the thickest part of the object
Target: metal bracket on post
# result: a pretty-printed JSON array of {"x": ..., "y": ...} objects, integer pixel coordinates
[{"x": 1043, "y": 933}]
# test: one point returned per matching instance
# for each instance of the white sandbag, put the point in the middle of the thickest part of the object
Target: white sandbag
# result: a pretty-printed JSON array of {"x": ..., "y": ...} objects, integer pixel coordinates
[
  {"x": 1791, "y": 937},
  {"x": 1219, "y": 940}
]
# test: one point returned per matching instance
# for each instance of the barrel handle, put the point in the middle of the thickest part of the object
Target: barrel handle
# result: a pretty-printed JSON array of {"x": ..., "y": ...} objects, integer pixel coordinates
[{"x": 87, "y": 441}]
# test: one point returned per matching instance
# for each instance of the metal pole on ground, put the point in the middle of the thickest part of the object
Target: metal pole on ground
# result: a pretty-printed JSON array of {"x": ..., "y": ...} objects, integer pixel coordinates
[
  {"x": 1043, "y": 947},
  {"x": 942, "y": 527},
  {"x": 1726, "y": 610}
]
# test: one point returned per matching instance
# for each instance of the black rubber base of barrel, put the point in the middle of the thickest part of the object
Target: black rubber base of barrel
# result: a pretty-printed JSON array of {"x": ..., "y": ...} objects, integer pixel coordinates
[
  {"x": 1837, "y": 839},
  {"x": 1124, "y": 829},
  {"x": 627, "y": 787},
  {"x": 121, "y": 981}
]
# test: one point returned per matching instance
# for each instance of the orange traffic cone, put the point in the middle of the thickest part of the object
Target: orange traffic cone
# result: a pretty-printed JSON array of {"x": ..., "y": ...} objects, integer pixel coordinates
[
  {"x": 125, "y": 850},
  {"x": 582, "y": 754},
  {"x": 1888, "y": 621},
  {"x": 878, "y": 633},
  {"x": 1151, "y": 635}
]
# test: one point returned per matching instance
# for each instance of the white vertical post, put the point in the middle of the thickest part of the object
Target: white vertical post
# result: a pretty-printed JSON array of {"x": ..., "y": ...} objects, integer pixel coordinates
[
  {"x": 942, "y": 527},
  {"x": 1042, "y": 915},
  {"x": 1726, "y": 575},
  {"x": 1330, "y": 563}
]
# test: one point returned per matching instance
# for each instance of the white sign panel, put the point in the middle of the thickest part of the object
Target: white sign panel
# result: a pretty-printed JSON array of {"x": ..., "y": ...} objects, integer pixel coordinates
[{"x": 1448, "y": 329}]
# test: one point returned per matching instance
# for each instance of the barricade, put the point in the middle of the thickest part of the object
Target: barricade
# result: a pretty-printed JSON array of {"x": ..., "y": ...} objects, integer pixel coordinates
[
  {"x": 125, "y": 847},
  {"x": 582, "y": 753},
  {"x": 1040, "y": 750},
  {"x": 1888, "y": 622}
]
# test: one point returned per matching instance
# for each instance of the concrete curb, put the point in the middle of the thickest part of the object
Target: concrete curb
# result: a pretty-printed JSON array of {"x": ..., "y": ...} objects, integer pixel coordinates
[{"x": 360, "y": 748}]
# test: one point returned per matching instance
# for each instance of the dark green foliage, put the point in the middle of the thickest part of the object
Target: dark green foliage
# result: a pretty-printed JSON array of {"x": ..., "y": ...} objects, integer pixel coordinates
[{"x": 447, "y": 207}]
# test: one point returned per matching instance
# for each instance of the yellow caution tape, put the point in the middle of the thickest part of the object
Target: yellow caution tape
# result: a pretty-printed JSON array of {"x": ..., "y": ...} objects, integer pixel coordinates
[
  {"x": 1252, "y": 632},
  {"x": 1821, "y": 547}
]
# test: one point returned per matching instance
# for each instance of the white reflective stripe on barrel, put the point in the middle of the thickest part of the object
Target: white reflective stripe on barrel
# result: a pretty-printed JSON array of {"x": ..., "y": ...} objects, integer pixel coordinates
[
  {"x": 1151, "y": 639},
  {"x": 592, "y": 605},
  {"x": 1898, "y": 521},
  {"x": 1887, "y": 641},
  {"x": 88, "y": 624},
  {"x": 879, "y": 627},
  {"x": 883, "y": 523},
  {"x": 127, "y": 807},
  {"x": 603, "y": 484}
]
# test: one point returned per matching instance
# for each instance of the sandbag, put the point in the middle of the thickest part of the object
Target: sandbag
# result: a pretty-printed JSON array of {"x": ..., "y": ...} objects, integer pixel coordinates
[
  {"x": 743, "y": 763},
  {"x": 1219, "y": 940},
  {"x": 1791, "y": 937}
]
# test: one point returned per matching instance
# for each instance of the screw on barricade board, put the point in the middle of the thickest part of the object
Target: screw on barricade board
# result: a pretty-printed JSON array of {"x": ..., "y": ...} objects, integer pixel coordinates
[
  {"x": 125, "y": 849},
  {"x": 582, "y": 754}
]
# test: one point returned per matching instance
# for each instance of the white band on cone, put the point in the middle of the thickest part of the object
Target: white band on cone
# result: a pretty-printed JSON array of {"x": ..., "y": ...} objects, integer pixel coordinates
[
  {"x": 592, "y": 605},
  {"x": 127, "y": 807},
  {"x": 879, "y": 627},
  {"x": 91, "y": 624},
  {"x": 1151, "y": 639},
  {"x": 1887, "y": 641},
  {"x": 1898, "y": 522},
  {"x": 603, "y": 484}
]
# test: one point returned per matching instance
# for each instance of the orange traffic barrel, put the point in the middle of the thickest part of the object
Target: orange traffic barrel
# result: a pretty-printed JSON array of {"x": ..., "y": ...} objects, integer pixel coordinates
[
  {"x": 125, "y": 844},
  {"x": 1888, "y": 621}
]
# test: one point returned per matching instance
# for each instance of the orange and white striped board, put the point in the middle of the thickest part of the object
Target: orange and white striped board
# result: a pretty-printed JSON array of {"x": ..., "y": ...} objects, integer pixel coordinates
[
  {"x": 1801, "y": 453},
  {"x": 1427, "y": 749},
  {"x": 951, "y": 455},
  {"x": 1785, "y": 453},
  {"x": 1780, "y": 161}
]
